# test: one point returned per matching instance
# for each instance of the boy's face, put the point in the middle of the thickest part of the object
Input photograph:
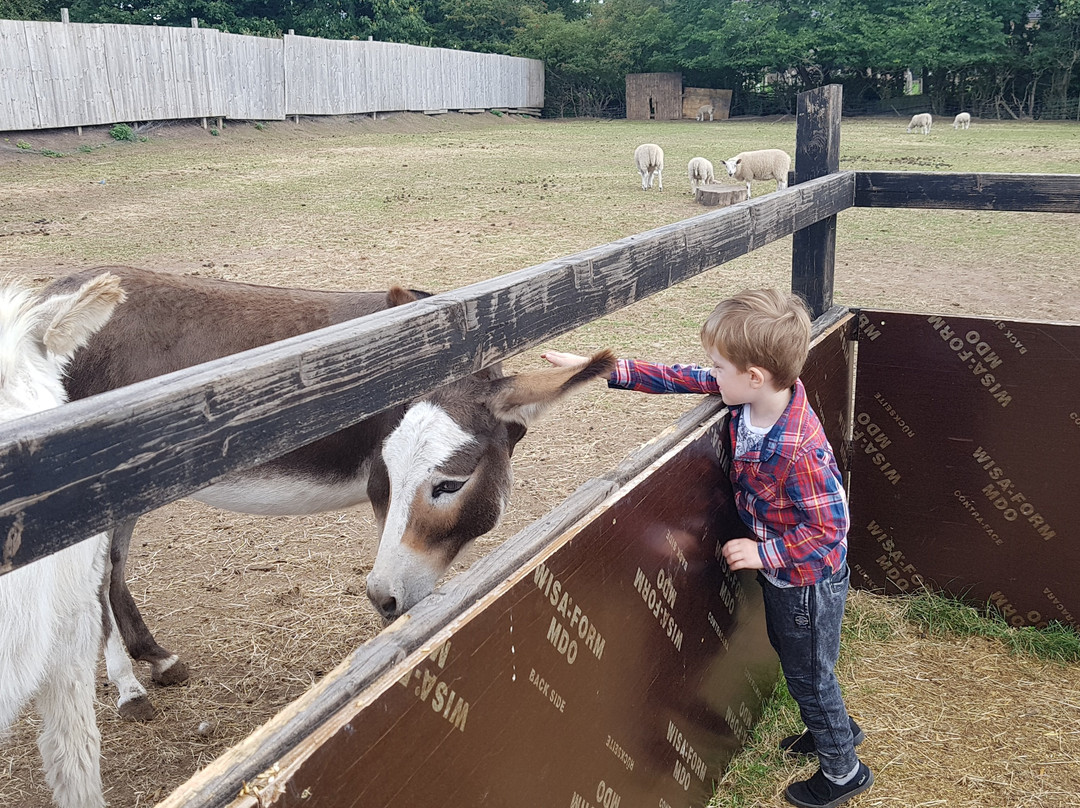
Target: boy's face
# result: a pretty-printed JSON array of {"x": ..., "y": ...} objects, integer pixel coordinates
[{"x": 736, "y": 386}]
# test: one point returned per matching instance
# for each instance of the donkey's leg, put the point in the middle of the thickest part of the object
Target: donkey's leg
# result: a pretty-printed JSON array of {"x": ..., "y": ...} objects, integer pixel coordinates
[
  {"x": 133, "y": 704},
  {"x": 167, "y": 669},
  {"x": 69, "y": 740}
]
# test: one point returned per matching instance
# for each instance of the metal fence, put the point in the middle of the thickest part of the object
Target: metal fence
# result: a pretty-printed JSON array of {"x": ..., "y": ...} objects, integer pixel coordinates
[{"x": 72, "y": 74}]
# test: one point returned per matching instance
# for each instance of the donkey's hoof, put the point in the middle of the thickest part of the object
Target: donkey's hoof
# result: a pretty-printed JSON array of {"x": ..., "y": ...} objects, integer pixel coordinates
[
  {"x": 171, "y": 672},
  {"x": 139, "y": 709}
]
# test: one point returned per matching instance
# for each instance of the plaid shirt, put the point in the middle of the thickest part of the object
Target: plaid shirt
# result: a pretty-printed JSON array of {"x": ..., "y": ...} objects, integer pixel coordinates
[{"x": 789, "y": 493}]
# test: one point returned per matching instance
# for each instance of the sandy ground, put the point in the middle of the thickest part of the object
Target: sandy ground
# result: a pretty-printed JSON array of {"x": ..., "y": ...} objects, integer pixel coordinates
[{"x": 264, "y": 607}]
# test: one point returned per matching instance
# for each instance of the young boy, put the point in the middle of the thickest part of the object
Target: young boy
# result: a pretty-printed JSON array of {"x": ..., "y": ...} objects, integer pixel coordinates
[{"x": 788, "y": 491}]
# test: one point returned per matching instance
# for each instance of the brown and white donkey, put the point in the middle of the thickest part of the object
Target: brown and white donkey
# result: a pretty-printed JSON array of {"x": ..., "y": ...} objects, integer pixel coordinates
[{"x": 436, "y": 470}]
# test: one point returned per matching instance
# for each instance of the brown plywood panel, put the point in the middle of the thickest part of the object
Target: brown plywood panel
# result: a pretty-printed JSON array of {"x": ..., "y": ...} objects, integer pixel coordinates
[
  {"x": 828, "y": 380},
  {"x": 624, "y": 665},
  {"x": 965, "y": 445}
]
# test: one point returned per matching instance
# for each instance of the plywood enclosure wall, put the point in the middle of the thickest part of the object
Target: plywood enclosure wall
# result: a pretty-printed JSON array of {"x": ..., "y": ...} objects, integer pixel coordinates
[
  {"x": 654, "y": 96},
  {"x": 696, "y": 97},
  {"x": 964, "y": 461}
]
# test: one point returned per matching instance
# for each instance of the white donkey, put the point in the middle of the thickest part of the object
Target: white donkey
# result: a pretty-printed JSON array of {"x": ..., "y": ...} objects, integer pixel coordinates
[{"x": 50, "y": 610}]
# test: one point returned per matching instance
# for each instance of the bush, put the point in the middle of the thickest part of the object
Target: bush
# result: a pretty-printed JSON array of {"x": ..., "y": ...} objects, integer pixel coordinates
[{"x": 122, "y": 131}]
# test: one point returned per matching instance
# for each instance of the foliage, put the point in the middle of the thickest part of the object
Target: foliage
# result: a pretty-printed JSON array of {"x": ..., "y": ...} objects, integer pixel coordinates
[
  {"x": 122, "y": 131},
  {"x": 1005, "y": 58}
]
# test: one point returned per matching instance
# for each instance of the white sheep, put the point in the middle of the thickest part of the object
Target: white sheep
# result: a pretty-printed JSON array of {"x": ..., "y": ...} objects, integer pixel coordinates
[
  {"x": 921, "y": 121},
  {"x": 703, "y": 110},
  {"x": 962, "y": 121},
  {"x": 763, "y": 164},
  {"x": 700, "y": 172},
  {"x": 50, "y": 631},
  {"x": 650, "y": 162}
]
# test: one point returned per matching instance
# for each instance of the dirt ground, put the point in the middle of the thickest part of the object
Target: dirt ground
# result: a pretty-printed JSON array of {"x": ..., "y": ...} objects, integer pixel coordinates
[{"x": 263, "y": 607}]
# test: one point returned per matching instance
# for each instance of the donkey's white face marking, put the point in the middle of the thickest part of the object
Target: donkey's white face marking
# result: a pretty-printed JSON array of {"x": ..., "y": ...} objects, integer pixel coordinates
[{"x": 425, "y": 439}]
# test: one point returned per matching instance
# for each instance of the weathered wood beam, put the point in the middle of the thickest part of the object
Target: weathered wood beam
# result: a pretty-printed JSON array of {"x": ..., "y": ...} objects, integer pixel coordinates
[
  {"x": 1040, "y": 193},
  {"x": 817, "y": 154},
  {"x": 220, "y": 782},
  {"x": 73, "y": 471}
]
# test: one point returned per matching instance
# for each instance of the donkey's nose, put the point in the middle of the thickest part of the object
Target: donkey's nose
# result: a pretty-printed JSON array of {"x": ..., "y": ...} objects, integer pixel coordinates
[{"x": 384, "y": 602}]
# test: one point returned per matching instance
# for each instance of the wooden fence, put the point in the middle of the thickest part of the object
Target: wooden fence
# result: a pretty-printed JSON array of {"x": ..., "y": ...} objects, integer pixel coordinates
[
  {"x": 70, "y": 74},
  {"x": 72, "y": 471}
]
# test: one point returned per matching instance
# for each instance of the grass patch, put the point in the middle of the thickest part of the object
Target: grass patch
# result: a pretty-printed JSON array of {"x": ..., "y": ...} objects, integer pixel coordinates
[
  {"x": 877, "y": 627},
  {"x": 946, "y": 616}
]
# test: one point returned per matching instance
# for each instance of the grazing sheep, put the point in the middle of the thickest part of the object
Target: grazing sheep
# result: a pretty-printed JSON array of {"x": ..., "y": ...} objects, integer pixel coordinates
[
  {"x": 703, "y": 110},
  {"x": 763, "y": 164},
  {"x": 700, "y": 172},
  {"x": 50, "y": 631},
  {"x": 921, "y": 121},
  {"x": 962, "y": 121},
  {"x": 650, "y": 162}
]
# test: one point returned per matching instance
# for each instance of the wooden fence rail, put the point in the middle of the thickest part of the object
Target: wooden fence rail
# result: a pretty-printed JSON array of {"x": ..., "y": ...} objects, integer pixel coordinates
[
  {"x": 68, "y": 473},
  {"x": 72, "y": 74}
]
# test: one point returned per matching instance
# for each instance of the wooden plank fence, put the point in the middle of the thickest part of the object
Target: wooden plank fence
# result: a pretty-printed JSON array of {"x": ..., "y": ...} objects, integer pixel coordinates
[{"x": 56, "y": 74}]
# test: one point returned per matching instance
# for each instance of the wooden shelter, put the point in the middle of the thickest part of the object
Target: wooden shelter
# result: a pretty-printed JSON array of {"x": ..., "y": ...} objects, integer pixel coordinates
[
  {"x": 654, "y": 96},
  {"x": 694, "y": 98}
]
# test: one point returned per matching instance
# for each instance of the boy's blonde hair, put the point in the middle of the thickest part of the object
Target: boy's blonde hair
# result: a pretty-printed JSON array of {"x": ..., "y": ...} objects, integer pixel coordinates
[{"x": 766, "y": 328}]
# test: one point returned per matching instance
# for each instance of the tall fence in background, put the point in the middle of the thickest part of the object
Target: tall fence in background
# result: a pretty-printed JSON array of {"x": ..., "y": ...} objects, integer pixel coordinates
[{"x": 55, "y": 74}]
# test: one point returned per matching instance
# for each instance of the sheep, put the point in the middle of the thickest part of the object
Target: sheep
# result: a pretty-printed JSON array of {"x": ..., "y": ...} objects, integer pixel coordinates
[
  {"x": 962, "y": 120},
  {"x": 763, "y": 164},
  {"x": 50, "y": 634},
  {"x": 650, "y": 162},
  {"x": 700, "y": 172},
  {"x": 921, "y": 121},
  {"x": 703, "y": 110}
]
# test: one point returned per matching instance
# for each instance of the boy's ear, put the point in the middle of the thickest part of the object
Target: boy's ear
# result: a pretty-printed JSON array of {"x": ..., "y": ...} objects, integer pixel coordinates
[{"x": 758, "y": 376}]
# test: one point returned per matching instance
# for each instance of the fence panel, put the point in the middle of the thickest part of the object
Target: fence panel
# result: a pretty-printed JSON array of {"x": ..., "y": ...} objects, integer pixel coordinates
[
  {"x": 253, "y": 77},
  {"x": 976, "y": 497},
  {"x": 55, "y": 74},
  {"x": 18, "y": 105}
]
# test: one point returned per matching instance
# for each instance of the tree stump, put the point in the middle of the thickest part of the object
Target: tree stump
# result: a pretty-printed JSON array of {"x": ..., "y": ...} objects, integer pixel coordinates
[{"x": 715, "y": 195}]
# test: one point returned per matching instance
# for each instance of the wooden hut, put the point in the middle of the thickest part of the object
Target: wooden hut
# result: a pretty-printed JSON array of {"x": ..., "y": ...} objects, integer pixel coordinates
[{"x": 654, "y": 96}]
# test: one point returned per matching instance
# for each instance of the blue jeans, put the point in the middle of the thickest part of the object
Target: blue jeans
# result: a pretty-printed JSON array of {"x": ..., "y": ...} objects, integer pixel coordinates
[{"x": 804, "y": 628}]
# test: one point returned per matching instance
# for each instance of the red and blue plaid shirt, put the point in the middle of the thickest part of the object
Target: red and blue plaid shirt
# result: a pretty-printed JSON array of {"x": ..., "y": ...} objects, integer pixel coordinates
[{"x": 789, "y": 492}]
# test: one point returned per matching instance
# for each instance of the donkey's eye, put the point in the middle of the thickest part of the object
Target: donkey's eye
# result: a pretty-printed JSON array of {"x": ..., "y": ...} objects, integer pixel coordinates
[{"x": 446, "y": 487}]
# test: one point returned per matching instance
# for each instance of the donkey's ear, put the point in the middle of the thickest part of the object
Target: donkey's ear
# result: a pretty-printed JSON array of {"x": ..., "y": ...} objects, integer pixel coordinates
[
  {"x": 399, "y": 296},
  {"x": 68, "y": 321},
  {"x": 525, "y": 397}
]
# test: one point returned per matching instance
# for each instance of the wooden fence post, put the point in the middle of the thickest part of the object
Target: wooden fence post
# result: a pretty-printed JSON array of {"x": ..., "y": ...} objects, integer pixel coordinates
[{"x": 817, "y": 153}]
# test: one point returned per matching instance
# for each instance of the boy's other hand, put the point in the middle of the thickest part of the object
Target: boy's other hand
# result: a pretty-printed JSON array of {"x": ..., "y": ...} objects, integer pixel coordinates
[
  {"x": 564, "y": 360},
  {"x": 742, "y": 554}
]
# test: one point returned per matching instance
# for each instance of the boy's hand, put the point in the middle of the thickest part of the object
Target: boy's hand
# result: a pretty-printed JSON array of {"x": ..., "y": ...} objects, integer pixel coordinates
[
  {"x": 742, "y": 554},
  {"x": 564, "y": 360}
]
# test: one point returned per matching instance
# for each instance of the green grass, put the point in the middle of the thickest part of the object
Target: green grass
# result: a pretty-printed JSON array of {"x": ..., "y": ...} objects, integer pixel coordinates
[
  {"x": 946, "y": 616},
  {"x": 752, "y": 774}
]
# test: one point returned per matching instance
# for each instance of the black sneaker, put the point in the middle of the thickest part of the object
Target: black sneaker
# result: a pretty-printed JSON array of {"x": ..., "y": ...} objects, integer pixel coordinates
[
  {"x": 795, "y": 745},
  {"x": 821, "y": 792}
]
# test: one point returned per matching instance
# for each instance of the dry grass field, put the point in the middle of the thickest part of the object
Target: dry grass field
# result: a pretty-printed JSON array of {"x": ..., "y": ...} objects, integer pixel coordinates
[{"x": 263, "y": 607}]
